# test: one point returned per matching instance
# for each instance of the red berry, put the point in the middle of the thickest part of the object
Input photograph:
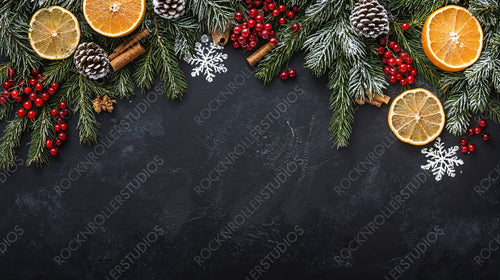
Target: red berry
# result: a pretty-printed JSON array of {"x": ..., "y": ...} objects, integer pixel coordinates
[
  {"x": 49, "y": 143},
  {"x": 62, "y": 136},
  {"x": 27, "y": 105},
  {"x": 403, "y": 68},
  {"x": 391, "y": 61},
  {"x": 236, "y": 30},
  {"x": 268, "y": 26},
  {"x": 413, "y": 73},
  {"x": 57, "y": 127},
  {"x": 405, "y": 26},
  {"x": 32, "y": 96},
  {"x": 393, "y": 71},
  {"x": 282, "y": 20},
  {"x": 409, "y": 60},
  {"x": 14, "y": 94},
  {"x": 51, "y": 91},
  {"x": 470, "y": 131},
  {"x": 403, "y": 56},
  {"x": 39, "y": 87},
  {"x": 6, "y": 94},
  {"x": 11, "y": 72},
  {"x": 3, "y": 100},
  {"x": 399, "y": 61},
  {"x": 387, "y": 54},
  {"x": 39, "y": 76},
  {"x": 292, "y": 73},
  {"x": 482, "y": 123},
  {"x": 6, "y": 85},
  {"x": 295, "y": 27},
  {"x": 471, "y": 147},
  {"x": 387, "y": 70},
  {"x": 54, "y": 86},
  {"x": 391, "y": 44},
  {"x": 410, "y": 79},
  {"x": 32, "y": 82},
  {"x": 259, "y": 18},
  {"x": 382, "y": 41},
  {"x": 271, "y": 6},
  {"x": 276, "y": 12},
  {"x": 393, "y": 79},
  {"x": 259, "y": 26},
  {"x": 21, "y": 112},
  {"x": 295, "y": 8},
  {"x": 62, "y": 114},
  {"x": 59, "y": 142},
  {"x": 397, "y": 48},
  {"x": 399, "y": 76},
  {"x": 238, "y": 16},
  {"x": 45, "y": 96},
  {"x": 53, "y": 152},
  {"x": 290, "y": 14},
  {"x": 27, "y": 90},
  {"x": 265, "y": 34},
  {"x": 63, "y": 105},
  {"x": 38, "y": 102},
  {"x": 284, "y": 75},
  {"x": 383, "y": 60},
  {"x": 245, "y": 32},
  {"x": 464, "y": 149},
  {"x": 64, "y": 126},
  {"x": 282, "y": 8},
  {"x": 19, "y": 99},
  {"x": 59, "y": 120},
  {"x": 34, "y": 72},
  {"x": 403, "y": 82},
  {"x": 380, "y": 50},
  {"x": 486, "y": 137},
  {"x": 253, "y": 13},
  {"x": 54, "y": 112},
  {"x": 31, "y": 114},
  {"x": 464, "y": 141},
  {"x": 477, "y": 130},
  {"x": 273, "y": 41}
]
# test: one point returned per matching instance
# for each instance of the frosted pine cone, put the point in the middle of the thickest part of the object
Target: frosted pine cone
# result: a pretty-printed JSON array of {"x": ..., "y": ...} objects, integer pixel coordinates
[
  {"x": 91, "y": 61},
  {"x": 169, "y": 9},
  {"x": 369, "y": 18}
]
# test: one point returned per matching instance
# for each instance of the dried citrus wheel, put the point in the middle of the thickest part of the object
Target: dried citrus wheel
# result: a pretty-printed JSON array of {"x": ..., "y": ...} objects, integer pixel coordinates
[
  {"x": 54, "y": 33},
  {"x": 114, "y": 18},
  {"x": 452, "y": 38},
  {"x": 416, "y": 117}
]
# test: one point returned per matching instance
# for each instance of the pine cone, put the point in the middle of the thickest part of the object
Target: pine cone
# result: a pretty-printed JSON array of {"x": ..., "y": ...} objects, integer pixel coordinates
[
  {"x": 91, "y": 61},
  {"x": 370, "y": 19},
  {"x": 103, "y": 103},
  {"x": 169, "y": 9}
]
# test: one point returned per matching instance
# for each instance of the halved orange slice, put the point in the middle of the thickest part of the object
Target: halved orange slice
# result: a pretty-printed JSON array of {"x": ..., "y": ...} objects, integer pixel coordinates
[
  {"x": 114, "y": 18},
  {"x": 416, "y": 117},
  {"x": 54, "y": 33},
  {"x": 452, "y": 38}
]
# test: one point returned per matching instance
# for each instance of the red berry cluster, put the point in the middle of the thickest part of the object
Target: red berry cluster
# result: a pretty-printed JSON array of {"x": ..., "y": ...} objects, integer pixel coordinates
[
  {"x": 252, "y": 27},
  {"x": 60, "y": 128},
  {"x": 478, "y": 130},
  {"x": 31, "y": 95},
  {"x": 399, "y": 64}
]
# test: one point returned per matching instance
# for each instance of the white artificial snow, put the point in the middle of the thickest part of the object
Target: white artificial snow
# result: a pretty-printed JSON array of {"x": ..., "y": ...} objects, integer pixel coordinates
[
  {"x": 208, "y": 59},
  {"x": 440, "y": 160}
]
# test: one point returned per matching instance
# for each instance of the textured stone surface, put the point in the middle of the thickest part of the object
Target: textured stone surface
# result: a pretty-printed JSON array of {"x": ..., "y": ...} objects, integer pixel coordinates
[{"x": 208, "y": 224}]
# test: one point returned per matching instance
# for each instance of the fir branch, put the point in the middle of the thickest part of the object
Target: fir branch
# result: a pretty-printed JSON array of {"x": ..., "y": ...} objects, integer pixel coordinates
[
  {"x": 213, "y": 14},
  {"x": 123, "y": 83},
  {"x": 145, "y": 72},
  {"x": 341, "y": 102},
  {"x": 10, "y": 141},
  {"x": 59, "y": 71},
  {"x": 6, "y": 110},
  {"x": 168, "y": 68},
  {"x": 458, "y": 115},
  {"x": 42, "y": 130}
]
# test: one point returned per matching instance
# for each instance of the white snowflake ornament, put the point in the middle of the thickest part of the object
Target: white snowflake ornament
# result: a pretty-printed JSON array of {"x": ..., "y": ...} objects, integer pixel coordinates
[
  {"x": 440, "y": 160},
  {"x": 208, "y": 58}
]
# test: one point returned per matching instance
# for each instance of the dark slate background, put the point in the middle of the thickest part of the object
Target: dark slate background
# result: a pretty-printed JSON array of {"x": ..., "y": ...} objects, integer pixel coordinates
[{"x": 40, "y": 222}]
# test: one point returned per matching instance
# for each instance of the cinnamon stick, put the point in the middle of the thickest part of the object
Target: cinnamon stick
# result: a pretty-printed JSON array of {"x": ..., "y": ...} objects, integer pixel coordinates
[
  {"x": 374, "y": 103},
  {"x": 125, "y": 58},
  {"x": 129, "y": 44},
  {"x": 360, "y": 102},
  {"x": 381, "y": 98},
  {"x": 259, "y": 54},
  {"x": 222, "y": 38}
]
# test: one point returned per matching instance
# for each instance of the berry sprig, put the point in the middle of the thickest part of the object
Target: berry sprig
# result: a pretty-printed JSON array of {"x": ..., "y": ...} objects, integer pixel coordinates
[
  {"x": 466, "y": 146},
  {"x": 31, "y": 95},
  {"x": 60, "y": 127},
  {"x": 249, "y": 29},
  {"x": 399, "y": 64}
]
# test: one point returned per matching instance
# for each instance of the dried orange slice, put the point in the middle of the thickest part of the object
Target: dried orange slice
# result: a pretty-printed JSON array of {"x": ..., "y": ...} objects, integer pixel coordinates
[
  {"x": 452, "y": 38},
  {"x": 416, "y": 117},
  {"x": 54, "y": 33},
  {"x": 114, "y": 18}
]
